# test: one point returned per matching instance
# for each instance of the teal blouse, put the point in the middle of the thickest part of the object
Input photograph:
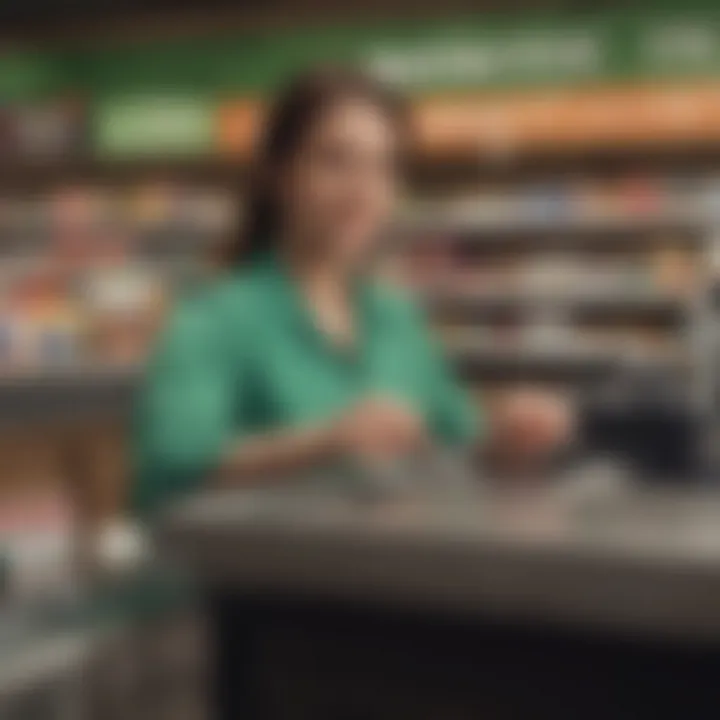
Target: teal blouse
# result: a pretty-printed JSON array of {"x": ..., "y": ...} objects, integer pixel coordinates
[{"x": 243, "y": 356}]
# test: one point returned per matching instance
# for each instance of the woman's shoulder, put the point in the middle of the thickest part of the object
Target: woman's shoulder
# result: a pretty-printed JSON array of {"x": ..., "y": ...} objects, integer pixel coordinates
[{"x": 231, "y": 298}]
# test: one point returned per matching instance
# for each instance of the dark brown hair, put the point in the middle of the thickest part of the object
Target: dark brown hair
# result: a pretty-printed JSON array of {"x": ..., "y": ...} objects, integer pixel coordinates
[{"x": 291, "y": 117}]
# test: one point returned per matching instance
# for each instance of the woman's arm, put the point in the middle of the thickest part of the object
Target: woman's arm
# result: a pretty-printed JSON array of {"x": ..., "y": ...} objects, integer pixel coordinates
[
  {"x": 526, "y": 426},
  {"x": 270, "y": 454},
  {"x": 184, "y": 414},
  {"x": 372, "y": 428},
  {"x": 189, "y": 427},
  {"x": 452, "y": 416}
]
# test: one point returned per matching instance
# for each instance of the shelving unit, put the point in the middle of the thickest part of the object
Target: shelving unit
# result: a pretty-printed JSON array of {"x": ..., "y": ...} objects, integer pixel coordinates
[
  {"x": 579, "y": 267},
  {"x": 573, "y": 274},
  {"x": 480, "y": 231}
]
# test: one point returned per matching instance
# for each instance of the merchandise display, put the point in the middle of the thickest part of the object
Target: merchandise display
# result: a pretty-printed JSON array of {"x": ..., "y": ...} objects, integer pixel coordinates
[
  {"x": 582, "y": 201},
  {"x": 87, "y": 272},
  {"x": 565, "y": 271}
]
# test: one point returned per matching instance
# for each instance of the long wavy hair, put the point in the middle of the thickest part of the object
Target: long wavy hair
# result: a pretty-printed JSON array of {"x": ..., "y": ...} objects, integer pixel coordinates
[{"x": 290, "y": 120}]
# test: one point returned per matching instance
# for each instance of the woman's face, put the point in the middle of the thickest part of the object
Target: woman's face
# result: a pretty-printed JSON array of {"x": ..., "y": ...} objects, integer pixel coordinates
[{"x": 340, "y": 188}]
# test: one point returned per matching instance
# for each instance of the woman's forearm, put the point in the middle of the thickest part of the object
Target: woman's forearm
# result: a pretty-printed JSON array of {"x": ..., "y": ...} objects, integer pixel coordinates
[
  {"x": 375, "y": 426},
  {"x": 273, "y": 454}
]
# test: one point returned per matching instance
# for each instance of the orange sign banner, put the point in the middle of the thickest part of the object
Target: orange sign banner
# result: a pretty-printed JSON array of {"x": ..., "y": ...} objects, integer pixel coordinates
[
  {"x": 547, "y": 119},
  {"x": 601, "y": 116},
  {"x": 237, "y": 127}
]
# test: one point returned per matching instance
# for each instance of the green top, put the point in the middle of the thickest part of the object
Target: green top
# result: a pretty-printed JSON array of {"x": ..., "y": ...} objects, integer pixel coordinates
[{"x": 243, "y": 356}]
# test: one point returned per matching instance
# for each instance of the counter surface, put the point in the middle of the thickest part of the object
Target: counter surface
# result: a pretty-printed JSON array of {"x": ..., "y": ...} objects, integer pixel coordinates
[{"x": 633, "y": 561}]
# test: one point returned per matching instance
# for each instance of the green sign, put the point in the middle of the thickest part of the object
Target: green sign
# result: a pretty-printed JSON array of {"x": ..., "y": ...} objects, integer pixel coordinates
[
  {"x": 466, "y": 53},
  {"x": 154, "y": 126},
  {"x": 30, "y": 76},
  {"x": 422, "y": 57}
]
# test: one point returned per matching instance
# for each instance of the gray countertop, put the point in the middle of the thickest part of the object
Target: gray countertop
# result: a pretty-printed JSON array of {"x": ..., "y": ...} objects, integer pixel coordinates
[{"x": 630, "y": 560}]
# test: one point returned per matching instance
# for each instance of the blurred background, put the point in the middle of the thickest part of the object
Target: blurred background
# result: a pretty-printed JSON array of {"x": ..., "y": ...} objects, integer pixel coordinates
[{"x": 562, "y": 219}]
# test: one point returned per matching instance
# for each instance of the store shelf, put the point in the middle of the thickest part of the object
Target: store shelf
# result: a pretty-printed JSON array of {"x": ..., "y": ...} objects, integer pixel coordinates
[
  {"x": 44, "y": 173},
  {"x": 645, "y": 305},
  {"x": 88, "y": 373},
  {"x": 427, "y": 168},
  {"x": 76, "y": 392},
  {"x": 479, "y": 361},
  {"x": 484, "y": 229},
  {"x": 461, "y": 166}
]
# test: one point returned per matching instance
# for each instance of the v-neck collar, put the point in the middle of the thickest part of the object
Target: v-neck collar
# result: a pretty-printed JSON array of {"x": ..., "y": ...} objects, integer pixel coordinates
[{"x": 287, "y": 291}]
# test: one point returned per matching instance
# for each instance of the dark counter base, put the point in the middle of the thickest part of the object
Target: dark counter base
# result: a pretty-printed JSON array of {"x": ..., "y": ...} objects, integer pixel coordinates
[{"x": 294, "y": 659}]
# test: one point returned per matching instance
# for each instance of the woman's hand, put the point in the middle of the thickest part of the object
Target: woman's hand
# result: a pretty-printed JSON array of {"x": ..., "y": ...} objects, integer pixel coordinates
[
  {"x": 528, "y": 426},
  {"x": 378, "y": 427}
]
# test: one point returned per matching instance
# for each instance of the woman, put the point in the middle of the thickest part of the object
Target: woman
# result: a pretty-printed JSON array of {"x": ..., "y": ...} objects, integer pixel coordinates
[{"x": 297, "y": 358}]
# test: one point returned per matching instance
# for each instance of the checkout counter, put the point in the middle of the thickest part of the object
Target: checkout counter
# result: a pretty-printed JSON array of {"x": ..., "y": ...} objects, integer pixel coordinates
[{"x": 496, "y": 605}]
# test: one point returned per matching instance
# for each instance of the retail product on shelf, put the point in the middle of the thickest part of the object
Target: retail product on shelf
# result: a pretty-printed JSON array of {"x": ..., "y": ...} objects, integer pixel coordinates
[
  {"x": 675, "y": 270},
  {"x": 161, "y": 209},
  {"x": 124, "y": 307},
  {"x": 566, "y": 271},
  {"x": 41, "y": 324},
  {"x": 577, "y": 200},
  {"x": 86, "y": 271}
]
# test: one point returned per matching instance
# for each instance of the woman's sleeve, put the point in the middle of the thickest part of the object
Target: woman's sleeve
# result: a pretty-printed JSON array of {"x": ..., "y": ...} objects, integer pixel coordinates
[
  {"x": 184, "y": 413},
  {"x": 452, "y": 415}
]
